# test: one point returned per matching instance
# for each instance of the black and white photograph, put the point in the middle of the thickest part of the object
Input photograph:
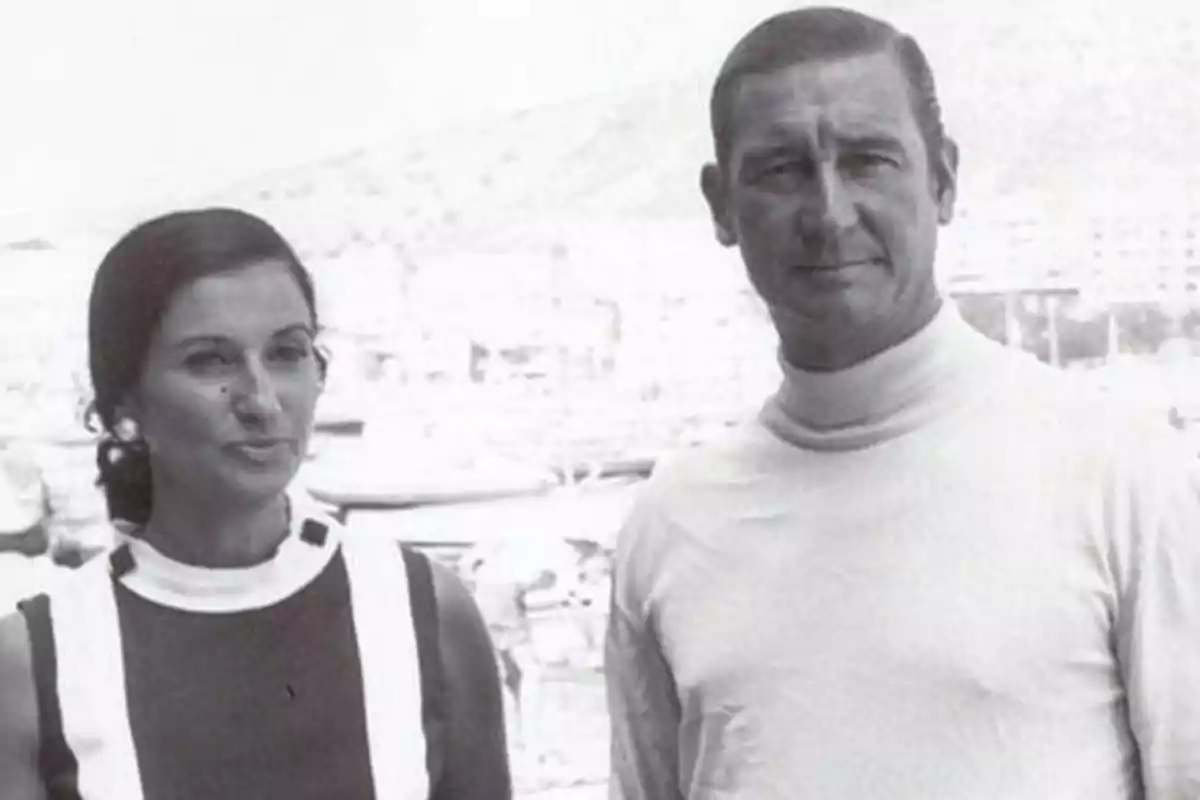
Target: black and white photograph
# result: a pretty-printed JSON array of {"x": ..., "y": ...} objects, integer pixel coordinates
[{"x": 622, "y": 400}]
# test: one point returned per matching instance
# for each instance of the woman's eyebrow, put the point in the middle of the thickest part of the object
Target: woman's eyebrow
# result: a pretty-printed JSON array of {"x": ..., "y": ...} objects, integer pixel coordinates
[
  {"x": 216, "y": 338},
  {"x": 204, "y": 338},
  {"x": 298, "y": 327}
]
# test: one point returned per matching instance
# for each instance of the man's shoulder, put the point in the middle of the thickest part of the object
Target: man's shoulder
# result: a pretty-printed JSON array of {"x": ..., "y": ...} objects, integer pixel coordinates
[
  {"x": 1073, "y": 404},
  {"x": 730, "y": 455},
  {"x": 1073, "y": 423},
  {"x": 690, "y": 482}
]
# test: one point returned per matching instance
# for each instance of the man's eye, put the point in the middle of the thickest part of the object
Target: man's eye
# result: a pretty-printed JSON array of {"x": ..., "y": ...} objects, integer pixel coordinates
[
  {"x": 784, "y": 169},
  {"x": 865, "y": 161}
]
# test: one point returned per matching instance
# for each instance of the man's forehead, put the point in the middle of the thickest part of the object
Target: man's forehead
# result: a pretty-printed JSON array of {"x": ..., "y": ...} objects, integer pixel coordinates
[{"x": 863, "y": 95}]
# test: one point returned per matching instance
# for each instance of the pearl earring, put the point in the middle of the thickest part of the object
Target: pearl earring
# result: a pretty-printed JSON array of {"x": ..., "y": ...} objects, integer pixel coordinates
[{"x": 127, "y": 430}]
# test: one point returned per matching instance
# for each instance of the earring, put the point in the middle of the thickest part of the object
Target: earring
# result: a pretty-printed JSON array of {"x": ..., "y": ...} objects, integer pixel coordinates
[{"x": 127, "y": 430}]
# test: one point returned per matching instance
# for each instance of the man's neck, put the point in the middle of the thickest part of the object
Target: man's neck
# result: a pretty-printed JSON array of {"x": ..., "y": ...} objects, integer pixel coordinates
[
  {"x": 208, "y": 534},
  {"x": 902, "y": 388},
  {"x": 811, "y": 350}
]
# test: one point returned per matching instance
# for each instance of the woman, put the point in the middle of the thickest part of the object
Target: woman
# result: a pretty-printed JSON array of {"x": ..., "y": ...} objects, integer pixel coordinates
[{"x": 235, "y": 643}]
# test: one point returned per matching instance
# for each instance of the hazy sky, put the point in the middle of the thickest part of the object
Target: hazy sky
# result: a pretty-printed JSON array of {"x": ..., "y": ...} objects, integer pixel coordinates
[
  {"x": 107, "y": 101},
  {"x": 115, "y": 101}
]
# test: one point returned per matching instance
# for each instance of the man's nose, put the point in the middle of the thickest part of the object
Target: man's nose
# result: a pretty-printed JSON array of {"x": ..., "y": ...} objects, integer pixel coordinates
[{"x": 826, "y": 206}]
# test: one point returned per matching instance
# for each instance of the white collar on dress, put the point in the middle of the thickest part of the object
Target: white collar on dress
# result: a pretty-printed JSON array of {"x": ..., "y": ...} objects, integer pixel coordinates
[{"x": 313, "y": 539}]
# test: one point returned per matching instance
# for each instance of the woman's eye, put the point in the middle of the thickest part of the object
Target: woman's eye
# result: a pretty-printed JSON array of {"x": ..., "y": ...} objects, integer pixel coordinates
[
  {"x": 292, "y": 352},
  {"x": 205, "y": 361}
]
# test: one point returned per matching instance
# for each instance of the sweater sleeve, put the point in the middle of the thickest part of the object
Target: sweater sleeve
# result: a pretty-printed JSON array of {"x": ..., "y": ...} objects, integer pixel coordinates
[
  {"x": 1157, "y": 632},
  {"x": 643, "y": 705}
]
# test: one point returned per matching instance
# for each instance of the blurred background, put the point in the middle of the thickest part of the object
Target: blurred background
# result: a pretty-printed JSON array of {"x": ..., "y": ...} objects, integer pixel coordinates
[{"x": 517, "y": 276}]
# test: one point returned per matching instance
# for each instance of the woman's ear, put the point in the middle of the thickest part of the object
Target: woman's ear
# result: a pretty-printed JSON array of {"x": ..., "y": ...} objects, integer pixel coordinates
[{"x": 324, "y": 357}]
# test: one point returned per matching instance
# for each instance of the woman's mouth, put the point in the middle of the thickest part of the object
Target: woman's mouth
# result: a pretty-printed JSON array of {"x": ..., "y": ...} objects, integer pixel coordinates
[{"x": 262, "y": 450}]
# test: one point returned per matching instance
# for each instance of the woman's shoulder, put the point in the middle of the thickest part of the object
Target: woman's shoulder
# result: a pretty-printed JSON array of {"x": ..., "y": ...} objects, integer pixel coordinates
[
  {"x": 440, "y": 598},
  {"x": 455, "y": 603},
  {"x": 464, "y": 646},
  {"x": 471, "y": 756}
]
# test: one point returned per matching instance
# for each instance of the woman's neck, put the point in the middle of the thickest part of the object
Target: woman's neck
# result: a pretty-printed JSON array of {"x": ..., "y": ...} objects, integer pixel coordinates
[{"x": 206, "y": 534}]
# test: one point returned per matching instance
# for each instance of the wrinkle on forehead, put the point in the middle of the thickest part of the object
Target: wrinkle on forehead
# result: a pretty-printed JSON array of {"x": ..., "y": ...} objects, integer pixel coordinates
[{"x": 856, "y": 97}]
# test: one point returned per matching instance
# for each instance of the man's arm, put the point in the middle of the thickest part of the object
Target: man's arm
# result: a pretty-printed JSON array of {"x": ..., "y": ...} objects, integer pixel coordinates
[
  {"x": 643, "y": 703},
  {"x": 19, "y": 779},
  {"x": 474, "y": 765},
  {"x": 644, "y": 713},
  {"x": 1158, "y": 627}
]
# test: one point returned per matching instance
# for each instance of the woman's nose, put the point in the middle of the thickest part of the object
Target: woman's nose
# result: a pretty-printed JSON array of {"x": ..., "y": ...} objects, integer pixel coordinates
[{"x": 256, "y": 394}]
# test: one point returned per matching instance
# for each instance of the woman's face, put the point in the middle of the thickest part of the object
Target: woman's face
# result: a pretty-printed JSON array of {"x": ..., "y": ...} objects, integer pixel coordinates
[{"x": 231, "y": 380}]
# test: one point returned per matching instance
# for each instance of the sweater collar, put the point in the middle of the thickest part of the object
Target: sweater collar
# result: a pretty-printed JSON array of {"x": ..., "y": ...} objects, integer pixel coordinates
[{"x": 885, "y": 395}]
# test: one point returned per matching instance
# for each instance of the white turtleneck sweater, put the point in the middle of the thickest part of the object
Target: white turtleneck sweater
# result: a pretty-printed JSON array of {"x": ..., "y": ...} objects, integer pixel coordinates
[{"x": 947, "y": 573}]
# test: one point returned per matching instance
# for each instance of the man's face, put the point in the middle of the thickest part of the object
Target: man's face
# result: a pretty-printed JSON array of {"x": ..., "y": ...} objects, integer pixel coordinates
[{"x": 828, "y": 191}]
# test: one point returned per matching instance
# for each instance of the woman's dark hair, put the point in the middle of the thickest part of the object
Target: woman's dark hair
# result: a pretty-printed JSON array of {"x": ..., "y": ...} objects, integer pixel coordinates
[{"x": 131, "y": 292}]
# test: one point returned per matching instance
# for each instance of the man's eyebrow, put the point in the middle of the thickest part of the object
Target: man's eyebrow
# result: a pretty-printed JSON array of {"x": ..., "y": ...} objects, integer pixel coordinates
[
  {"x": 872, "y": 141},
  {"x": 779, "y": 142},
  {"x": 770, "y": 151}
]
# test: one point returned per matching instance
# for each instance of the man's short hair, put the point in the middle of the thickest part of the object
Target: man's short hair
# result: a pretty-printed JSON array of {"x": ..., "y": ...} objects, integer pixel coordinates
[{"x": 817, "y": 34}]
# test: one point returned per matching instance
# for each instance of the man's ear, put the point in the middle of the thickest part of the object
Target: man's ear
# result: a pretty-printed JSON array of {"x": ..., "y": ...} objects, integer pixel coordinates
[
  {"x": 712, "y": 183},
  {"x": 946, "y": 180}
]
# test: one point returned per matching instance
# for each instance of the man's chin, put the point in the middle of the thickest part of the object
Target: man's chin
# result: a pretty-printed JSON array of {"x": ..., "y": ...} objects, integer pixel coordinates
[{"x": 838, "y": 313}]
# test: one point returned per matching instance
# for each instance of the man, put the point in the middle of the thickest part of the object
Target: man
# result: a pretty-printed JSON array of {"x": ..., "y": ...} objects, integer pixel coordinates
[{"x": 931, "y": 568}]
